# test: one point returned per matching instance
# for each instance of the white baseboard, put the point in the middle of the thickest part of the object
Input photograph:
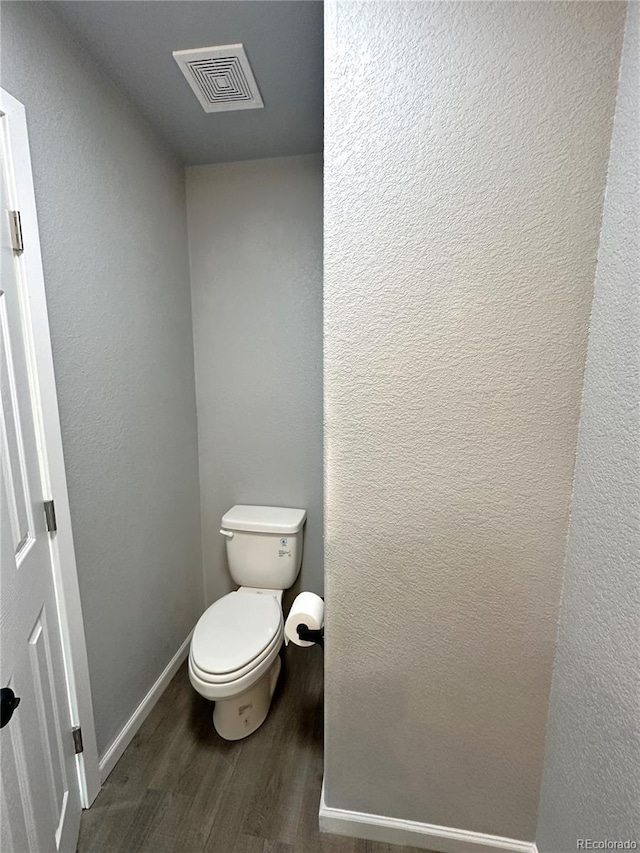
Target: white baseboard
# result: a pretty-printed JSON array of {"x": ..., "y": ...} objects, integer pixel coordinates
[
  {"x": 125, "y": 736},
  {"x": 426, "y": 836}
]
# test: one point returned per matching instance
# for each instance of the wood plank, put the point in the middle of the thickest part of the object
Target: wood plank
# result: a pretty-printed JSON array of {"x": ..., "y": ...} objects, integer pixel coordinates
[{"x": 180, "y": 788}]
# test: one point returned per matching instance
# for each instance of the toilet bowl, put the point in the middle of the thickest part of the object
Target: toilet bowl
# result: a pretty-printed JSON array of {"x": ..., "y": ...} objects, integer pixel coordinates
[
  {"x": 233, "y": 659},
  {"x": 234, "y": 653}
]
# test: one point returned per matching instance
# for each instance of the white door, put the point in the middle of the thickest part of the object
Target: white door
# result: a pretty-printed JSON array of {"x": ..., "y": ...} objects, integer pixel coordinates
[{"x": 39, "y": 786}]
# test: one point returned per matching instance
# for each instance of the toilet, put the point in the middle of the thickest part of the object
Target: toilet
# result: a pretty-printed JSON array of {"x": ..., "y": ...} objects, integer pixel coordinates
[{"x": 234, "y": 655}]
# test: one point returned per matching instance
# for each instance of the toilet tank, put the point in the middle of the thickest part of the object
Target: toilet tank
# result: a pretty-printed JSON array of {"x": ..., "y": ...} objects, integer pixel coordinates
[{"x": 264, "y": 545}]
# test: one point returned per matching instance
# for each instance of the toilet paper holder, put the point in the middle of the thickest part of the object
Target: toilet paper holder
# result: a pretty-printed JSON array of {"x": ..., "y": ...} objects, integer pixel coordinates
[{"x": 311, "y": 635}]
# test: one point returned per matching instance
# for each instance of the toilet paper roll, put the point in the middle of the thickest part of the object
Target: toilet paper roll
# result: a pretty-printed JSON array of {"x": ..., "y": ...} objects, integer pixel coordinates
[{"x": 307, "y": 609}]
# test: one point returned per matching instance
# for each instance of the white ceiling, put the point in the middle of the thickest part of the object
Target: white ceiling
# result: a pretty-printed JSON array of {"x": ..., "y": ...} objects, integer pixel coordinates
[{"x": 133, "y": 43}]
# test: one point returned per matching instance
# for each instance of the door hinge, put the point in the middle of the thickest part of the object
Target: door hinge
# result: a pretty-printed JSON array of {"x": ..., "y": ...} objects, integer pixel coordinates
[
  {"x": 50, "y": 516},
  {"x": 15, "y": 226},
  {"x": 76, "y": 731}
]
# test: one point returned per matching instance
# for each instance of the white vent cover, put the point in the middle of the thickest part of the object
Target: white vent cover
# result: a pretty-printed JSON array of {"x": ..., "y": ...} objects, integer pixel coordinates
[{"x": 221, "y": 77}]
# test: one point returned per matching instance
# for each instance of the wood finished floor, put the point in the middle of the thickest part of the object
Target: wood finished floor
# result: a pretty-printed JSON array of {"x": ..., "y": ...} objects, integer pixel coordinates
[{"x": 180, "y": 788}]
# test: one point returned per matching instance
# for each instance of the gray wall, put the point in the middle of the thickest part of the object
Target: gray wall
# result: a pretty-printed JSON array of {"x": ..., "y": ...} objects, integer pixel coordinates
[
  {"x": 255, "y": 236},
  {"x": 466, "y": 148},
  {"x": 592, "y": 767},
  {"x": 112, "y": 221}
]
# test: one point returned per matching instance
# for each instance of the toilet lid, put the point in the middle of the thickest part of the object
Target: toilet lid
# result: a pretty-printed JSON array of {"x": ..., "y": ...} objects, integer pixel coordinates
[{"x": 234, "y": 631}]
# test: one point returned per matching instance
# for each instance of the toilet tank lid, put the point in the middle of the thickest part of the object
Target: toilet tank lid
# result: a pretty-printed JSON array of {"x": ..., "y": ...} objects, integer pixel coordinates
[{"x": 264, "y": 519}]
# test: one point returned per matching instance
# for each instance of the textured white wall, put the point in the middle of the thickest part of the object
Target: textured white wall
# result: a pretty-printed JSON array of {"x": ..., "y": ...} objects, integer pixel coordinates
[
  {"x": 465, "y": 158},
  {"x": 112, "y": 219},
  {"x": 255, "y": 237},
  {"x": 591, "y": 783}
]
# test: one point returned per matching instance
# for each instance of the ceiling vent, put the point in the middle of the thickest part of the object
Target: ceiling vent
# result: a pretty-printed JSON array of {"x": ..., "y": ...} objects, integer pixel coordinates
[{"x": 221, "y": 77}]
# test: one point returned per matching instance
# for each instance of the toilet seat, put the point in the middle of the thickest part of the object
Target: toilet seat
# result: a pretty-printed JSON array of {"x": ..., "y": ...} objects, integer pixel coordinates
[
  {"x": 228, "y": 677},
  {"x": 237, "y": 687},
  {"x": 235, "y": 635}
]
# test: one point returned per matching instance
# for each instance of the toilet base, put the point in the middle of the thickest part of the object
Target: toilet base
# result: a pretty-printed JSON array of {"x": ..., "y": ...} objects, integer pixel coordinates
[{"x": 239, "y": 716}]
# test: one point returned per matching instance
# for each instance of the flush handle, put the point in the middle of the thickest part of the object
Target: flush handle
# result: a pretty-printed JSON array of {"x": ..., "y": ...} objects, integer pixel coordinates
[{"x": 227, "y": 533}]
